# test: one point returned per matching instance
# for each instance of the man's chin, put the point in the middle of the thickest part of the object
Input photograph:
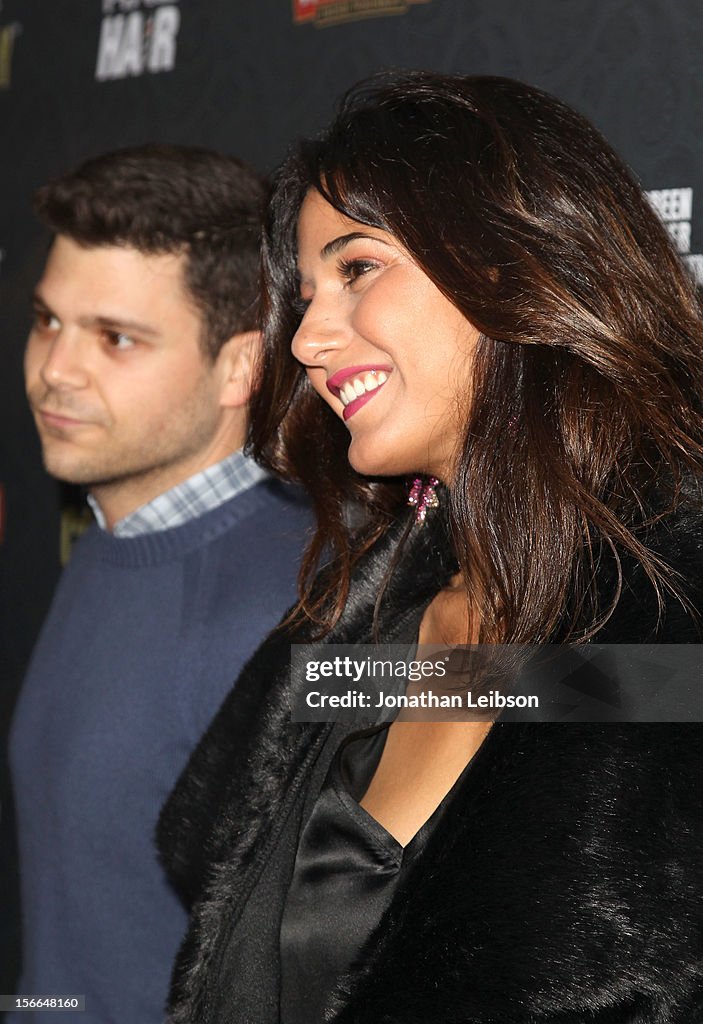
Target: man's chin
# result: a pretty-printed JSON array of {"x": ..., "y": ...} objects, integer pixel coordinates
[{"x": 70, "y": 472}]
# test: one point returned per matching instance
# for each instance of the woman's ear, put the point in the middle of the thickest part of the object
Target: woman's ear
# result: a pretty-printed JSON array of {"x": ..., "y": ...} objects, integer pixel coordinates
[{"x": 236, "y": 360}]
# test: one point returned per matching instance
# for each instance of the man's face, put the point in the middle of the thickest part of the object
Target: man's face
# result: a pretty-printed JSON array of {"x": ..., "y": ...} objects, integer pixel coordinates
[{"x": 124, "y": 400}]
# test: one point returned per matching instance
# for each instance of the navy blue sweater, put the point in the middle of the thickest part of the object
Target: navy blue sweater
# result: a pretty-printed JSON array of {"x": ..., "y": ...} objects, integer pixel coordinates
[{"x": 144, "y": 639}]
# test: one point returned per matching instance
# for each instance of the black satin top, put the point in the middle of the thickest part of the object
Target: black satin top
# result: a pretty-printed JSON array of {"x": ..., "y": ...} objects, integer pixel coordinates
[{"x": 347, "y": 869}]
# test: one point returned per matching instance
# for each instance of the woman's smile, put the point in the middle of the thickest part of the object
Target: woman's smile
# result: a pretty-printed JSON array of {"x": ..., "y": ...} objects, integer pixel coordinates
[{"x": 356, "y": 385}]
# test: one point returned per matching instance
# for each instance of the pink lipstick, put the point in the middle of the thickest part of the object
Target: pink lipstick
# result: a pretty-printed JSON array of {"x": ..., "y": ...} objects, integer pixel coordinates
[
  {"x": 337, "y": 379},
  {"x": 354, "y": 386}
]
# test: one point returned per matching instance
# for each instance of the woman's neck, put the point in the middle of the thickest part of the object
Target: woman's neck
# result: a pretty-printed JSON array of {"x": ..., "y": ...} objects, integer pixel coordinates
[{"x": 448, "y": 619}]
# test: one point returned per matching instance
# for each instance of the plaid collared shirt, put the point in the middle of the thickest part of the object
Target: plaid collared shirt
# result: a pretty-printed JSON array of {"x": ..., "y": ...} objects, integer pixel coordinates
[{"x": 190, "y": 499}]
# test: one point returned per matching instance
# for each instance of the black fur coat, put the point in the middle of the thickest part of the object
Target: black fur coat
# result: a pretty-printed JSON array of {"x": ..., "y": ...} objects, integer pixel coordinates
[{"x": 563, "y": 885}]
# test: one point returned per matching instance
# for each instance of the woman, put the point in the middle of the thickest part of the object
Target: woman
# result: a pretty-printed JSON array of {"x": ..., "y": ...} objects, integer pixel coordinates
[{"x": 475, "y": 292}]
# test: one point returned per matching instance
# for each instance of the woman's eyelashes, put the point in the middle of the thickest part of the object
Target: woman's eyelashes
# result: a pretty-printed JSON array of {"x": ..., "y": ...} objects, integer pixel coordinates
[
  {"x": 352, "y": 269},
  {"x": 349, "y": 270}
]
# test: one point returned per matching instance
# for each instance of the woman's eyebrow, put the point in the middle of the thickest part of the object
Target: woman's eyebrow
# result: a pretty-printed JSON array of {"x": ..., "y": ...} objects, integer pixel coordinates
[{"x": 338, "y": 243}]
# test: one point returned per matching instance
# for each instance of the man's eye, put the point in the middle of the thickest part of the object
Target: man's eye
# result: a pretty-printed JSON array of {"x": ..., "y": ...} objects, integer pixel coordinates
[
  {"x": 44, "y": 321},
  {"x": 118, "y": 340},
  {"x": 352, "y": 270}
]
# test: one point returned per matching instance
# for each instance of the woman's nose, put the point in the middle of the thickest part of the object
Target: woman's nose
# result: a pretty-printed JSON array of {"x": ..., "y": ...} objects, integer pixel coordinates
[{"x": 321, "y": 333}]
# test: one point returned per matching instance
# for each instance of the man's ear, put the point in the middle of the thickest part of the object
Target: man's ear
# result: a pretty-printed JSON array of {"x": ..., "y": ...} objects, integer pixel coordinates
[{"x": 237, "y": 359}]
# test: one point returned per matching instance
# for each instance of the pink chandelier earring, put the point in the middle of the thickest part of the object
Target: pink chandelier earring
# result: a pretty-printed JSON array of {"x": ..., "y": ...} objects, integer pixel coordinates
[{"x": 423, "y": 496}]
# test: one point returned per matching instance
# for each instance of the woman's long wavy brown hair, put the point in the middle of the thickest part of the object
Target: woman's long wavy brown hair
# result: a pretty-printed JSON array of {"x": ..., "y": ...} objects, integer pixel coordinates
[{"x": 588, "y": 376}]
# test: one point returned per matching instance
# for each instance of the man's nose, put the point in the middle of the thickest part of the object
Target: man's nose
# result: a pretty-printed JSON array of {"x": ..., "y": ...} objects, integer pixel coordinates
[{"x": 63, "y": 366}]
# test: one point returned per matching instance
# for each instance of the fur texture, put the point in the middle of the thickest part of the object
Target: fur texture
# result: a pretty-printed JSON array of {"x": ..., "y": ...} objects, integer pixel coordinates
[{"x": 563, "y": 885}]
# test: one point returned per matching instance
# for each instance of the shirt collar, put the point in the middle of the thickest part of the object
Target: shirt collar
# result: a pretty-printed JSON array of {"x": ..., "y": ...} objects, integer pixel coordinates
[{"x": 198, "y": 494}]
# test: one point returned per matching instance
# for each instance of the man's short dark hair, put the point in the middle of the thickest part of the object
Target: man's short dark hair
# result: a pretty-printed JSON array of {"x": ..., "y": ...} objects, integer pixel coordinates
[{"x": 172, "y": 199}]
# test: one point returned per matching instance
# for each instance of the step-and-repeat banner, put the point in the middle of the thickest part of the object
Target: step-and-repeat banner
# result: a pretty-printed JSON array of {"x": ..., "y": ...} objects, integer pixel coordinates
[{"x": 79, "y": 77}]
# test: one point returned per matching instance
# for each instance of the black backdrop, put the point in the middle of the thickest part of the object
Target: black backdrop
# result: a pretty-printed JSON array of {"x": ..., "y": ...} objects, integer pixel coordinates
[{"x": 245, "y": 76}]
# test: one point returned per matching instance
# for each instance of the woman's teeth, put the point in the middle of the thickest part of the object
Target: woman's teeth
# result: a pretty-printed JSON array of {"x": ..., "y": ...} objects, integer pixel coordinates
[{"x": 357, "y": 386}]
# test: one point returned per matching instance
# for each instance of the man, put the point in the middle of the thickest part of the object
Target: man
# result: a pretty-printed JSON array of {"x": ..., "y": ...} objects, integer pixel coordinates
[{"x": 138, "y": 372}]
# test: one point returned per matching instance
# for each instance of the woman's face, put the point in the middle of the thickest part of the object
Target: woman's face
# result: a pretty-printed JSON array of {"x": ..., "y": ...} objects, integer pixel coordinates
[{"x": 382, "y": 345}]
